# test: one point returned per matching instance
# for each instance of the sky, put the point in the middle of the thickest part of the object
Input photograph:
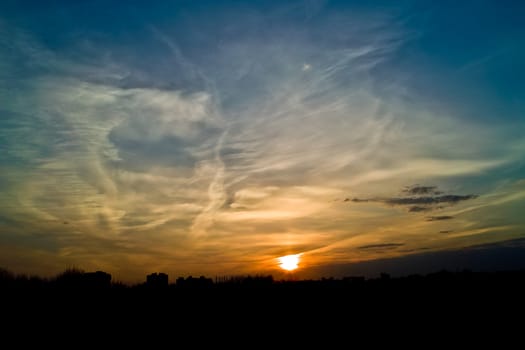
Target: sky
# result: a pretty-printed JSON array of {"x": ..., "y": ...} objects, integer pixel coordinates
[{"x": 213, "y": 137}]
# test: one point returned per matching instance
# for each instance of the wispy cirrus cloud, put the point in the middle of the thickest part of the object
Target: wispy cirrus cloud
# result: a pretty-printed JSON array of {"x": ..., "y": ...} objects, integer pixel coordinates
[{"x": 226, "y": 145}]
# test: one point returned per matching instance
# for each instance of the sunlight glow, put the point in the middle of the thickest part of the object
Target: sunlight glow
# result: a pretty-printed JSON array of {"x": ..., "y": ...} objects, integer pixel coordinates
[{"x": 289, "y": 262}]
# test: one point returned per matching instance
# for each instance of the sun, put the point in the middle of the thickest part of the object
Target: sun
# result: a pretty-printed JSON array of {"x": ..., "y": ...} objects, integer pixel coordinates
[{"x": 289, "y": 262}]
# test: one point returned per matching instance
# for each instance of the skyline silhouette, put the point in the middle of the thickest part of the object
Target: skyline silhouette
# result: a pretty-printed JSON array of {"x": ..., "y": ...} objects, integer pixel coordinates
[{"x": 78, "y": 279}]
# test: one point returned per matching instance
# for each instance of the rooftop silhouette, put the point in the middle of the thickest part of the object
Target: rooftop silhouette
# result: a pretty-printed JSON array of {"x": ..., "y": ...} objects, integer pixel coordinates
[{"x": 81, "y": 280}]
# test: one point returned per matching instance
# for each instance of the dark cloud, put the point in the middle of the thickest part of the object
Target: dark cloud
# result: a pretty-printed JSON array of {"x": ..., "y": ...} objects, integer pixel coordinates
[
  {"x": 439, "y": 218},
  {"x": 419, "y": 190},
  {"x": 381, "y": 246},
  {"x": 429, "y": 200},
  {"x": 417, "y": 209},
  {"x": 359, "y": 200},
  {"x": 421, "y": 199},
  {"x": 414, "y": 250},
  {"x": 446, "y": 231}
]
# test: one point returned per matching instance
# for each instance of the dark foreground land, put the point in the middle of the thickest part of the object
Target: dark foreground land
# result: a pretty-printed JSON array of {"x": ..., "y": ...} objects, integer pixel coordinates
[
  {"x": 455, "y": 301},
  {"x": 249, "y": 291}
]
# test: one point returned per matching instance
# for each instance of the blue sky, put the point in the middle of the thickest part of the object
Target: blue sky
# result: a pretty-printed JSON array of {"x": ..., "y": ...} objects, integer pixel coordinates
[{"x": 212, "y": 137}]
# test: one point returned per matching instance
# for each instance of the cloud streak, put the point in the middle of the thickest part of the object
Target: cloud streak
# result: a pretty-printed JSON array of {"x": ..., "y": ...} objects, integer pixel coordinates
[
  {"x": 440, "y": 218},
  {"x": 421, "y": 199},
  {"x": 381, "y": 246}
]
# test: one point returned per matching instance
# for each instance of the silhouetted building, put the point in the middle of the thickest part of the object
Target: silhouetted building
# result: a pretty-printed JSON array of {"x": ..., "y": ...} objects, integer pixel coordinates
[
  {"x": 252, "y": 281},
  {"x": 192, "y": 282},
  {"x": 157, "y": 280},
  {"x": 98, "y": 279}
]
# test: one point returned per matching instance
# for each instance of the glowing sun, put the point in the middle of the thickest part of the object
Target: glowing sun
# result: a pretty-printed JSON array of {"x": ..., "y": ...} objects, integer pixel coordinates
[{"x": 289, "y": 262}]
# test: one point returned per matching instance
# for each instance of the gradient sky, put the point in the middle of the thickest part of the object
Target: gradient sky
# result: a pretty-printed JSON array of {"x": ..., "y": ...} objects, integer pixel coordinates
[{"x": 211, "y": 137}]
